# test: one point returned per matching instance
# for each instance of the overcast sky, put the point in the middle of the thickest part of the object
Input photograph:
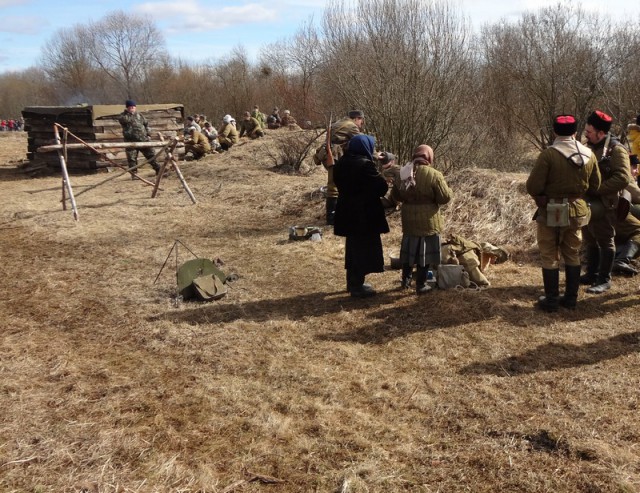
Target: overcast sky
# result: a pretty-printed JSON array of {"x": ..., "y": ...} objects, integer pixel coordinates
[{"x": 199, "y": 30}]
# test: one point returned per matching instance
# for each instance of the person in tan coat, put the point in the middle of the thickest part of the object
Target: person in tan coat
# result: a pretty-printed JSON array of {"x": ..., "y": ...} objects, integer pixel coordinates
[
  {"x": 341, "y": 133},
  {"x": 197, "y": 144},
  {"x": 422, "y": 189},
  {"x": 561, "y": 177},
  {"x": 228, "y": 134},
  {"x": 250, "y": 127}
]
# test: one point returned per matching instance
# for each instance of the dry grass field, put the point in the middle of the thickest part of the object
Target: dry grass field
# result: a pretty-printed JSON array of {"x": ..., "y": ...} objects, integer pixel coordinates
[{"x": 109, "y": 384}]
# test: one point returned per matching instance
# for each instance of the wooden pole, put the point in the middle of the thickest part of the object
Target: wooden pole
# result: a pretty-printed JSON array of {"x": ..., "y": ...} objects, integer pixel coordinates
[
  {"x": 91, "y": 187},
  {"x": 170, "y": 159},
  {"x": 65, "y": 181}
]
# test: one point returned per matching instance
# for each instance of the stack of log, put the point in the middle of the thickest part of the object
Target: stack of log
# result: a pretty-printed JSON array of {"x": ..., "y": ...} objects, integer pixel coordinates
[{"x": 93, "y": 124}]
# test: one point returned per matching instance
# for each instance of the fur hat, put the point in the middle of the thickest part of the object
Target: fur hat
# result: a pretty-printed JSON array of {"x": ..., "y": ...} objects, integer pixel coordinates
[
  {"x": 565, "y": 125},
  {"x": 356, "y": 114},
  {"x": 638, "y": 120},
  {"x": 128, "y": 103},
  {"x": 600, "y": 121},
  {"x": 227, "y": 118},
  {"x": 633, "y": 159}
]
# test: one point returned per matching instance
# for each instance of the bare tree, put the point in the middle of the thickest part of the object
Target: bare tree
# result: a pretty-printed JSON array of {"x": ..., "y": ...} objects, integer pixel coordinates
[
  {"x": 125, "y": 47},
  {"x": 295, "y": 64},
  {"x": 407, "y": 64},
  {"x": 25, "y": 88},
  {"x": 555, "y": 60},
  {"x": 69, "y": 66},
  {"x": 622, "y": 96},
  {"x": 236, "y": 82}
]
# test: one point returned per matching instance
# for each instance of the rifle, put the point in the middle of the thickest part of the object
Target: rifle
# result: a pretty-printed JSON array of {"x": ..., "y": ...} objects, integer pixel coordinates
[{"x": 330, "y": 161}]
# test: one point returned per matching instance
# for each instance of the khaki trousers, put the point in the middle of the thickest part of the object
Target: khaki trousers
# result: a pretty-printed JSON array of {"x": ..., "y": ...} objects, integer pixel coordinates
[{"x": 558, "y": 242}]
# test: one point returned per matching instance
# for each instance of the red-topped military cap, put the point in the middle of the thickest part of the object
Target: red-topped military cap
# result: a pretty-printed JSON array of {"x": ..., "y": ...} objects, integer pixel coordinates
[
  {"x": 600, "y": 121},
  {"x": 565, "y": 125}
]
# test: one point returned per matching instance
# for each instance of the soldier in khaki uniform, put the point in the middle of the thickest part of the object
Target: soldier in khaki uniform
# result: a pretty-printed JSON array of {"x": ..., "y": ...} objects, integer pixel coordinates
[
  {"x": 627, "y": 237},
  {"x": 341, "y": 132},
  {"x": 562, "y": 175},
  {"x": 197, "y": 144},
  {"x": 136, "y": 129},
  {"x": 251, "y": 127},
  {"x": 228, "y": 134},
  {"x": 287, "y": 119},
  {"x": 613, "y": 162},
  {"x": 259, "y": 116},
  {"x": 627, "y": 245}
]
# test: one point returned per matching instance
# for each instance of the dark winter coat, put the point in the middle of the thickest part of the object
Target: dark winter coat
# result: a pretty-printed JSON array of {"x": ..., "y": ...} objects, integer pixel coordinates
[{"x": 359, "y": 210}]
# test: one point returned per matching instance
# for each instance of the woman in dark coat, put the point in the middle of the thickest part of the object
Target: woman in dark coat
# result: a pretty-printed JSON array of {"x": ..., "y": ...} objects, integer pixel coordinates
[{"x": 359, "y": 213}]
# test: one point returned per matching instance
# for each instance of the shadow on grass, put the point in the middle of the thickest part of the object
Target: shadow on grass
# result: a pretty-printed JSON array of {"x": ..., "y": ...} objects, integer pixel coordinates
[
  {"x": 392, "y": 314},
  {"x": 300, "y": 307},
  {"x": 553, "y": 356}
]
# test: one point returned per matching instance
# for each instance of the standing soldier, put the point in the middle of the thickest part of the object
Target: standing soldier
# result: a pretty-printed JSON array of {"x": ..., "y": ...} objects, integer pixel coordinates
[
  {"x": 341, "y": 132},
  {"x": 613, "y": 162},
  {"x": 563, "y": 173},
  {"x": 136, "y": 129}
]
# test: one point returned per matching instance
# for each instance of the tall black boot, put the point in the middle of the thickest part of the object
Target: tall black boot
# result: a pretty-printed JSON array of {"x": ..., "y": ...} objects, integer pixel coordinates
[
  {"x": 572, "y": 284},
  {"x": 407, "y": 273},
  {"x": 330, "y": 209},
  {"x": 593, "y": 261},
  {"x": 603, "y": 280},
  {"x": 624, "y": 254},
  {"x": 551, "y": 279},
  {"x": 421, "y": 281},
  {"x": 357, "y": 287}
]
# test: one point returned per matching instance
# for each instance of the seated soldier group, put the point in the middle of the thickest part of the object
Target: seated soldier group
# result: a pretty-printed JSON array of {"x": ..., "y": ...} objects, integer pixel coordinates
[{"x": 201, "y": 137}]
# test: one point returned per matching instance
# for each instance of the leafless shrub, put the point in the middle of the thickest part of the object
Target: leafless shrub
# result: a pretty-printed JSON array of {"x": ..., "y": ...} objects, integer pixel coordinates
[{"x": 291, "y": 150}]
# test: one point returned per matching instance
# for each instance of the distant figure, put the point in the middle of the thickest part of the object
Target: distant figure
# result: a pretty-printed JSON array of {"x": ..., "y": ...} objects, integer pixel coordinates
[
  {"x": 136, "y": 129},
  {"x": 559, "y": 181},
  {"x": 251, "y": 127},
  {"x": 273, "y": 120},
  {"x": 212, "y": 134},
  {"x": 201, "y": 120},
  {"x": 191, "y": 122},
  {"x": 359, "y": 214},
  {"x": 288, "y": 119},
  {"x": 197, "y": 144},
  {"x": 259, "y": 116},
  {"x": 227, "y": 134},
  {"x": 633, "y": 136}
]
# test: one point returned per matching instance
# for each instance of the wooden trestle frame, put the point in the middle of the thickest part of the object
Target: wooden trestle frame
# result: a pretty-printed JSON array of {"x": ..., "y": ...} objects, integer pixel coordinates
[{"x": 168, "y": 147}]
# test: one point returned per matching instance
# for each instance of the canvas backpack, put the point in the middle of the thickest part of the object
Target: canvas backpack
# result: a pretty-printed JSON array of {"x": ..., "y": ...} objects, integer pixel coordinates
[{"x": 202, "y": 280}]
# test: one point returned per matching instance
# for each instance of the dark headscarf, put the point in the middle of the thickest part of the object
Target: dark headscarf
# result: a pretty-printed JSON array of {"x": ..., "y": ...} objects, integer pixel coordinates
[{"x": 362, "y": 145}]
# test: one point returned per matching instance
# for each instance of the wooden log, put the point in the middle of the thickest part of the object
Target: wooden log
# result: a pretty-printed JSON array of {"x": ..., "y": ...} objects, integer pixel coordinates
[{"x": 107, "y": 145}]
